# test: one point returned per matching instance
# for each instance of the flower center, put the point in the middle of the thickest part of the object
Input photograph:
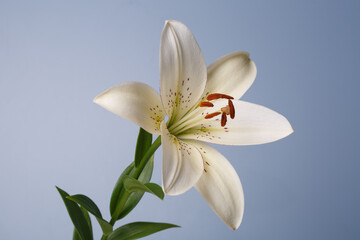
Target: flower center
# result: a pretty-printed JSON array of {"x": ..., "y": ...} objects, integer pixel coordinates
[{"x": 224, "y": 111}]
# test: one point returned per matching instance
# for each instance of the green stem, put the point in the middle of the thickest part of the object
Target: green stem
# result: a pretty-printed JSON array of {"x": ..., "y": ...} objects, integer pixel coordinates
[
  {"x": 156, "y": 144},
  {"x": 125, "y": 195}
]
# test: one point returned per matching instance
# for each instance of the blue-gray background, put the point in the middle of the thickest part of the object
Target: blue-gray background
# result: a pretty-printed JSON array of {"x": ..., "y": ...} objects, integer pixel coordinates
[{"x": 55, "y": 56}]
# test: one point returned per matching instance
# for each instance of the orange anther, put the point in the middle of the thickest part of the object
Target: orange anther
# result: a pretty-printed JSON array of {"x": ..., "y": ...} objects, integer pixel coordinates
[
  {"x": 232, "y": 109},
  {"x": 223, "y": 119},
  {"x": 217, "y": 96},
  {"x": 211, "y": 115},
  {"x": 206, "y": 104}
]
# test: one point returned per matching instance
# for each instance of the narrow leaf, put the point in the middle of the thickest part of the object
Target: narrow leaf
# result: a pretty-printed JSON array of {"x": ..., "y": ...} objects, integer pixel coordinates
[
  {"x": 87, "y": 217},
  {"x": 156, "y": 189},
  {"x": 133, "y": 185},
  {"x": 135, "y": 197},
  {"x": 77, "y": 217},
  {"x": 138, "y": 230},
  {"x": 142, "y": 145},
  {"x": 118, "y": 187},
  {"x": 105, "y": 226},
  {"x": 86, "y": 203},
  {"x": 76, "y": 235}
]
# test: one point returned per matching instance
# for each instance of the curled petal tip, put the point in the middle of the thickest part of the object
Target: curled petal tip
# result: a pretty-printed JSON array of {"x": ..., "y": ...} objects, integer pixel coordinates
[
  {"x": 234, "y": 224},
  {"x": 168, "y": 22},
  {"x": 98, "y": 98},
  {"x": 290, "y": 128},
  {"x": 234, "y": 228}
]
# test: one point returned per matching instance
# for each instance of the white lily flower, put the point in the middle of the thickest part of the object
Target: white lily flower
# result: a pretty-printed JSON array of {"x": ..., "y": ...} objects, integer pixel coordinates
[{"x": 201, "y": 105}]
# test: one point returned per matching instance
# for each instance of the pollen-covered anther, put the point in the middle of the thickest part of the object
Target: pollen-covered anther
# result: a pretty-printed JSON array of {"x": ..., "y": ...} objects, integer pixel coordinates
[
  {"x": 223, "y": 119},
  {"x": 232, "y": 109},
  {"x": 227, "y": 110},
  {"x": 206, "y": 104},
  {"x": 211, "y": 115},
  {"x": 214, "y": 96}
]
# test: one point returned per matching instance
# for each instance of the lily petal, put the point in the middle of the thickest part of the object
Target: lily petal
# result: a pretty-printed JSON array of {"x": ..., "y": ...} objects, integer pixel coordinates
[
  {"x": 136, "y": 102},
  {"x": 220, "y": 186},
  {"x": 231, "y": 74},
  {"x": 182, "y": 164},
  {"x": 253, "y": 124},
  {"x": 182, "y": 69}
]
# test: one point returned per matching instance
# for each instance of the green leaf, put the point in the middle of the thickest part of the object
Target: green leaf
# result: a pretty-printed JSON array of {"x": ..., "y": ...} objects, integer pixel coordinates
[
  {"x": 138, "y": 230},
  {"x": 118, "y": 187},
  {"x": 76, "y": 235},
  {"x": 133, "y": 185},
  {"x": 135, "y": 197},
  {"x": 77, "y": 217},
  {"x": 86, "y": 203},
  {"x": 121, "y": 201},
  {"x": 87, "y": 217},
  {"x": 105, "y": 226},
  {"x": 90, "y": 206},
  {"x": 142, "y": 145}
]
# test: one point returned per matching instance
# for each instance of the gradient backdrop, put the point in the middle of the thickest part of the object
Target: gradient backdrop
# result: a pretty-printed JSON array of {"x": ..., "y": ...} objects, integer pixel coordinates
[{"x": 56, "y": 56}]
